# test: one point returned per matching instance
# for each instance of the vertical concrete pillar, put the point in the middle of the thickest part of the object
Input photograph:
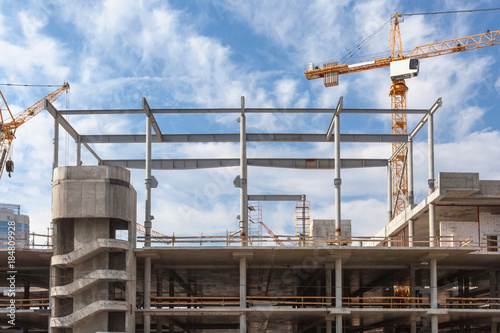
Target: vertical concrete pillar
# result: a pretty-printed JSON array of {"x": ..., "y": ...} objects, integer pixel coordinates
[
  {"x": 411, "y": 232},
  {"x": 328, "y": 284},
  {"x": 389, "y": 192},
  {"x": 432, "y": 225},
  {"x": 409, "y": 162},
  {"x": 494, "y": 327},
  {"x": 243, "y": 293},
  {"x": 147, "y": 210},
  {"x": 430, "y": 134},
  {"x": 55, "y": 145},
  {"x": 304, "y": 219},
  {"x": 78, "y": 153},
  {"x": 338, "y": 283},
  {"x": 433, "y": 285},
  {"x": 338, "y": 180},
  {"x": 171, "y": 293},
  {"x": 147, "y": 293},
  {"x": 329, "y": 326},
  {"x": 243, "y": 177}
]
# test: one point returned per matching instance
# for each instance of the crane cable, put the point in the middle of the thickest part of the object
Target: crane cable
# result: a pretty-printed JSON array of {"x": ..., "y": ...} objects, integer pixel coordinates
[
  {"x": 30, "y": 85},
  {"x": 358, "y": 47},
  {"x": 453, "y": 12}
]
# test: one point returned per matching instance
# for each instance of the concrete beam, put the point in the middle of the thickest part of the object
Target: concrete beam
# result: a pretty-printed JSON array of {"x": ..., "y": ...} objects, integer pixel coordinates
[
  {"x": 250, "y": 110},
  {"x": 292, "y": 163},
  {"x": 251, "y": 137}
]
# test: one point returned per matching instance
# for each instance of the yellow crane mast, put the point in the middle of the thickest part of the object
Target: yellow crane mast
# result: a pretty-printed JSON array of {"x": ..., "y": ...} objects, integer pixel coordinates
[
  {"x": 9, "y": 125},
  {"x": 403, "y": 66}
]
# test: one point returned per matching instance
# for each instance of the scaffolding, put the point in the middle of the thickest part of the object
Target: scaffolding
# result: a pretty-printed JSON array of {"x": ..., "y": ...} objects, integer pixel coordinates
[
  {"x": 255, "y": 219},
  {"x": 302, "y": 221}
]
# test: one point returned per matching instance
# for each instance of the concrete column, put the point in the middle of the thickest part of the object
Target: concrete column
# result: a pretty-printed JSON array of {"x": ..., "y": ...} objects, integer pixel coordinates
[
  {"x": 147, "y": 211},
  {"x": 147, "y": 293},
  {"x": 243, "y": 294},
  {"x": 338, "y": 180},
  {"x": 338, "y": 293},
  {"x": 389, "y": 192},
  {"x": 409, "y": 162},
  {"x": 171, "y": 293},
  {"x": 494, "y": 327},
  {"x": 411, "y": 232},
  {"x": 329, "y": 326},
  {"x": 55, "y": 145},
  {"x": 78, "y": 154},
  {"x": 304, "y": 219},
  {"x": 159, "y": 284},
  {"x": 328, "y": 284},
  {"x": 243, "y": 177},
  {"x": 55, "y": 163},
  {"x": 430, "y": 134},
  {"x": 432, "y": 225},
  {"x": 413, "y": 327},
  {"x": 433, "y": 282}
]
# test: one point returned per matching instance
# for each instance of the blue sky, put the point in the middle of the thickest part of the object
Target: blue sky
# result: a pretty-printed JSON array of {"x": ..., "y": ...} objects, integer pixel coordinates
[{"x": 200, "y": 54}]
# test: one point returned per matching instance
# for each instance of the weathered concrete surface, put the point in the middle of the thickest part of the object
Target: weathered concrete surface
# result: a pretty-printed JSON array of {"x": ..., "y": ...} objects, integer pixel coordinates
[
  {"x": 88, "y": 311},
  {"x": 93, "y": 288},
  {"x": 94, "y": 192},
  {"x": 322, "y": 230},
  {"x": 90, "y": 280},
  {"x": 89, "y": 250}
]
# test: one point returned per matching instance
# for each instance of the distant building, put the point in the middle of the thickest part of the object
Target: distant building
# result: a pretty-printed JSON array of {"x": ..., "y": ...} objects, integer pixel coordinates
[{"x": 10, "y": 213}]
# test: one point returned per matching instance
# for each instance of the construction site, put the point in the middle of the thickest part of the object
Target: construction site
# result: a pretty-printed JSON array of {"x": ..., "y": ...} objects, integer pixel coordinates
[{"x": 433, "y": 267}]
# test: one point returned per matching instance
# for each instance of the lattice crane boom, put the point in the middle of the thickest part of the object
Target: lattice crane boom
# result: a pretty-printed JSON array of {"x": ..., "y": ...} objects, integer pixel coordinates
[
  {"x": 9, "y": 124},
  {"x": 271, "y": 233},
  {"x": 467, "y": 43},
  {"x": 331, "y": 71}
]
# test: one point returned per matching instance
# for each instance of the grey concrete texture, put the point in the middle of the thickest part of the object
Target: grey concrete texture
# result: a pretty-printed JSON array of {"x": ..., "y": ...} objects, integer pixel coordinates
[{"x": 93, "y": 192}]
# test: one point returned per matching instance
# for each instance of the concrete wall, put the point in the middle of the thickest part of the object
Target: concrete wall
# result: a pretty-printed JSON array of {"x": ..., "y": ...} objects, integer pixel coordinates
[
  {"x": 93, "y": 191},
  {"x": 325, "y": 229},
  {"x": 489, "y": 225}
]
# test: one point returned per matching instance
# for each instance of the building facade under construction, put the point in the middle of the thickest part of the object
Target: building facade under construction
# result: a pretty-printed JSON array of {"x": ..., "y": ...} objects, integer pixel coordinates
[{"x": 433, "y": 268}]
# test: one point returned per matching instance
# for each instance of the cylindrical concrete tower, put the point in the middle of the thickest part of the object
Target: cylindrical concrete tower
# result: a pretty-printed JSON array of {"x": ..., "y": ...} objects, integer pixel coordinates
[{"x": 93, "y": 267}]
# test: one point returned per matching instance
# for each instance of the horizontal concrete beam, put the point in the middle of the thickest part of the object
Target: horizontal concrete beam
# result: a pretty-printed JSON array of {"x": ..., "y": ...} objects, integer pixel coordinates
[
  {"x": 278, "y": 197},
  {"x": 263, "y": 137},
  {"x": 292, "y": 163}
]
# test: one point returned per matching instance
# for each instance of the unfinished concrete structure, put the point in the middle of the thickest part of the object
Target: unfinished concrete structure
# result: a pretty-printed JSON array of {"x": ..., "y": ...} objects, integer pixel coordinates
[
  {"x": 412, "y": 277},
  {"x": 93, "y": 287}
]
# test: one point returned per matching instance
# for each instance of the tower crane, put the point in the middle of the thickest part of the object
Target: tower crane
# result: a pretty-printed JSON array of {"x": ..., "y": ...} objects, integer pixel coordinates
[
  {"x": 9, "y": 125},
  {"x": 402, "y": 66}
]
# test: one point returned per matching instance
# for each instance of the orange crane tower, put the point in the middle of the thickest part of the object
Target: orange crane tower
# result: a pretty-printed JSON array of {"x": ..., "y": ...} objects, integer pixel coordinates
[
  {"x": 403, "y": 66},
  {"x": 9, "y": 125}
]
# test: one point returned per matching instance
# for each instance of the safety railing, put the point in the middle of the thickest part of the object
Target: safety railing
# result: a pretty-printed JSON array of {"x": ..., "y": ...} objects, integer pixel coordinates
[
  {"x": 469, "y": 303},
  {"x": 292, "y": 240},
  {"x": 26, "y": 303},
  {"x": 290, "y": 301},
  {"x": 29, "y": 240}
]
